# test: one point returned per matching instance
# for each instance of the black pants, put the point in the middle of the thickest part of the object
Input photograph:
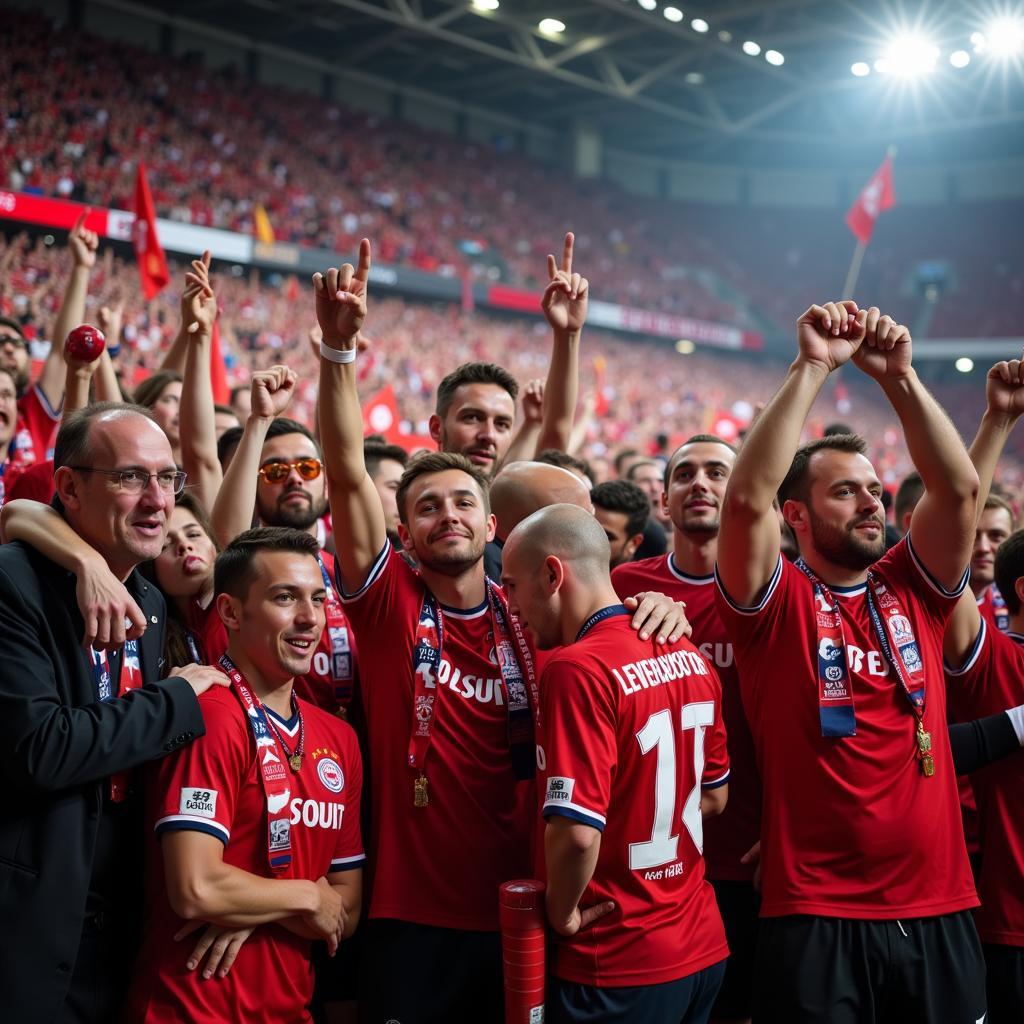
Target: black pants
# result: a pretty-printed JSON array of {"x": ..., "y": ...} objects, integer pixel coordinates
[
  {"x": 418, "y": 974},
  {"x": 1004, "y": 983},
  {"x": 685, "y": 1001},
  {"x": 739, "y": 903},
  {"x": 100, "y": 976},
  {"x": 828, "y": 970}
]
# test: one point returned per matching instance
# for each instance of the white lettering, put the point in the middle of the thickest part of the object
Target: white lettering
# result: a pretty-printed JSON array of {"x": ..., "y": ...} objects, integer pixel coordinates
[
  {"x": 658, "y": 671},
  {"x": 317, "y": 814}
]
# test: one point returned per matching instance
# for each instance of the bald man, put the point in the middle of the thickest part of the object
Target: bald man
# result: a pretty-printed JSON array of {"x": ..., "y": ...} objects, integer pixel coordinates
[
  {"x": 522, "y": 488},
  {"x": 633, "y": 754}
]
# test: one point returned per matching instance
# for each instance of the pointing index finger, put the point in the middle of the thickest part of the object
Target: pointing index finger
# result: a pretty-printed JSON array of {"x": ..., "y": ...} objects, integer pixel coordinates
[
  {"x": 363, "y": 270},
  {"x": 567, "y": 252}
]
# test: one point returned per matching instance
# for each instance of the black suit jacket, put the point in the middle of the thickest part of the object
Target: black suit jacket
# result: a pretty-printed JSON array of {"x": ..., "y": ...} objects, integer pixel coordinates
[{"x": 58, "y": 747}]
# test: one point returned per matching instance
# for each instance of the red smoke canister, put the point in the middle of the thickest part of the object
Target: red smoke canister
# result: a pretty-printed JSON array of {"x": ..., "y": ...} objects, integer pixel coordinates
[
  {"x": 521, "y": 911},
  {"x": 84, "y": 343}
]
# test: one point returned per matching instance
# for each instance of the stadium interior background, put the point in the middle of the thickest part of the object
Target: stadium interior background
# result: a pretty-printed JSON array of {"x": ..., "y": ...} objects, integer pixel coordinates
[{"x": 704, "y": 155}]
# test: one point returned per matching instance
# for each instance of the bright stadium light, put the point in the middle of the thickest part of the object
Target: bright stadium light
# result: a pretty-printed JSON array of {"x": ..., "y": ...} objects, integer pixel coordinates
[
  {"x": 672, "y": 14},
  {"x": 978, "y": 42},
  {"x": 883, "y": 65},
  {"x": 648, "y": 5},
  {"x": 959, "y": 58},
  {"x": 699, "y": 25},
  {"x": 774, "y": 58},
  {"x": 551, "y": 26},
  {"x": 964, "y": 364},
  {"x": 685, "y": 347},
  {"x": 1004, "y": 37},
  {"x": 910, "y": 55},
  {"x": 485, "y": 5},
  {"x": 751, "y": 49},
  {"x": 860, "y": 69}
]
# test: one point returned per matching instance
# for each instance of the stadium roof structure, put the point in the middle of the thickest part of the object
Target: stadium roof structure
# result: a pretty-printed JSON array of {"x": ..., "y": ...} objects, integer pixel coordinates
[{"x": 749, "y": 80}]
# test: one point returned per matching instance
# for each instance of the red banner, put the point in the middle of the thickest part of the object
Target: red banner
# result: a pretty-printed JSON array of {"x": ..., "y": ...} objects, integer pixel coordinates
[
  {"x": 876, "y": 196},
  {"x": 153, "y": 270}
]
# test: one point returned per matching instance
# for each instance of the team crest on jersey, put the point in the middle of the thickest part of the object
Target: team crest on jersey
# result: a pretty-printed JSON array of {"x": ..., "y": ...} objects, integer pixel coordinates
[
  {"x": 330, "y": 774},
  {"x": 198, "y": 802},
  {"x": 559, "y": 790},
  {"x": 280, "y": 834},
  {"x": 902, "y": 631},
  {"x": 911, "y": 657},
  {"x": 423, "y": 706},
  {"x": 885, "y": 599}
]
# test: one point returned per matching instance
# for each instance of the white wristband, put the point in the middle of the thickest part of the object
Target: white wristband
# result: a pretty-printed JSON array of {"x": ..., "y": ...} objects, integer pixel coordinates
[
  {"x": 1017, "y": 718},
  {"x": 337, "y": 355}
]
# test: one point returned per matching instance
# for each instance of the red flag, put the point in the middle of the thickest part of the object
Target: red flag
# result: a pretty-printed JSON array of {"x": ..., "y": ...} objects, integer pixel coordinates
[
  {"x": 218, "y": 372},
  {"x": 152, "y": 261},
  {"x": 380, "y": 415},
  {"x": 601, "y": 404},
  {"x": 876, "y": 196}
]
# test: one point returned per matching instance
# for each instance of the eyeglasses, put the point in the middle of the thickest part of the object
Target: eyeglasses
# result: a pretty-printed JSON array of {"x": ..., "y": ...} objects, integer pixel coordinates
[
  {"x": 135, "y": 481},
  {"x": 277, "y": 472}
]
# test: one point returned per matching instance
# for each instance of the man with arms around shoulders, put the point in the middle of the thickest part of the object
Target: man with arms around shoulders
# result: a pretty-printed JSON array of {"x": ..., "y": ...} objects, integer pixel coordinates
[
  {"x": 839, "y": 658},
  {"x": 633, "y": 753},
  {"x": 78, "y": 721}
]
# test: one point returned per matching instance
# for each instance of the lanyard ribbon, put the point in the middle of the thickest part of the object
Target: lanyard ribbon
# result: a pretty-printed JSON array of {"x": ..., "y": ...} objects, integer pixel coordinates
[
  {"x": 272, "y": 771},
  {"x": 341, "y": 647},
  {"x": 895, "y": 636},
  {"x": 515, "y": 661},
  {"x": 999, "y": 610},
  {"x": 130, "y": 678}
]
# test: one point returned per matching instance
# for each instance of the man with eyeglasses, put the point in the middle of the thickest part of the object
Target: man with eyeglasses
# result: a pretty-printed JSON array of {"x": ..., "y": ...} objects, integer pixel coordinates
[
  {"x": 75, "y": 722},
  {"x": 276, "y": 478}
]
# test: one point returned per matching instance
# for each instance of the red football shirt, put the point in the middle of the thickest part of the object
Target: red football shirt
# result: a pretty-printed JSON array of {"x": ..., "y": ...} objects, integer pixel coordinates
[
  {"x": 988, "y": 604},
  {"x": 850, "y": 827},
  {"x": 214, "y": 786},
  {"x": 730, "y": 835},
  {"x": 990, "y": 682},
  {"x": 36, "y": 429},
  {"x": 632, "y": 731},
  {"x": 441, "y": 864}
]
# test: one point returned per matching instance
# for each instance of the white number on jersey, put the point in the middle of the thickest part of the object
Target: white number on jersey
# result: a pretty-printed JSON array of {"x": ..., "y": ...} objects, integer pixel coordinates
[
  {"x": 321, "y": 664},
  {"x": 658, "y": 735}
]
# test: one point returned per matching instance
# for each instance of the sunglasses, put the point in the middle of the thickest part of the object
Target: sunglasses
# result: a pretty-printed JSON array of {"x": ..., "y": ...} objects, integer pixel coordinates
[{"x": 277, "y": 472}]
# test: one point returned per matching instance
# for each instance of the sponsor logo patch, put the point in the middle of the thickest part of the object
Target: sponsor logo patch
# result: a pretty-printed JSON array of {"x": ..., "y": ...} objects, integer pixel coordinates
[
  {"x": 198, "y": 802},
  {"x": 330, "y": 774},
  {"x": 560, "y": 789}
]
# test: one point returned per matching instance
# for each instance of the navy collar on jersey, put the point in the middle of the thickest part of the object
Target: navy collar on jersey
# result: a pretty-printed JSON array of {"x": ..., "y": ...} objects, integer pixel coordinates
[
  {"x": 857, "y": 588},
  {"x": 600, "y": 616},
  {"x": 465, "y": 613},
  {"x": 685, "y": 576},
  {"x": 288, "y": 724}
]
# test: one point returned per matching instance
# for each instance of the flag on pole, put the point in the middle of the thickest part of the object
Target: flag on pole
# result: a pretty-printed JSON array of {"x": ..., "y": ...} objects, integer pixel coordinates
[
  {"x": 218, "y": 372},
  {"x": 876, "y": 196},
  {"x": 152, "y": 261},
  {"x": 263, "y": 229}
]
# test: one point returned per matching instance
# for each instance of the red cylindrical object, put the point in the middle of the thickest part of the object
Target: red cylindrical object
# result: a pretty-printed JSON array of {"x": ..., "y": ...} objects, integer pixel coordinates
[
  {"x": 84, "y": 343},
  {"x": 521, "y": 912}
]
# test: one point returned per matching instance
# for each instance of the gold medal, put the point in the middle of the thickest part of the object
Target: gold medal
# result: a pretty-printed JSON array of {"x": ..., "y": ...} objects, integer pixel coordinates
[
  {"x": 927, "y": 766},
  {"x": 295, "y": 761},
  {"x": 924, "y": 739},
  {"x": 419, "y": 792}
]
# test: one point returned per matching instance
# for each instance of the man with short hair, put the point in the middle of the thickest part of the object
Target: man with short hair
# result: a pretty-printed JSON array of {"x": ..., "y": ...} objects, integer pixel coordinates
[
  {"x": 386, "y": 463},
  {"x": 74, "y": 724},
  {"x": 257, "y": 822},
  {"x": 623, "y": 510},
  {"x": 634, "y": 746},
  {"x": 908, "y": 494},
  {"x": 649, "y": 476},
  {"x": 8, "y": 425},
  {"x": 696, "y": 477},
  {"x": 277, "y": 470},
  {"x": 840, "y": 666},
  {"x": 995, "y": 524},
  {"x": 224, "y": 418}
]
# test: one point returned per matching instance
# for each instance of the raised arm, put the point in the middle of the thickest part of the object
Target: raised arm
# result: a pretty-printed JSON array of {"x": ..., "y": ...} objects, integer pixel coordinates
[
  {"x": 1004, "y": 404},
  {"x": 272, "y": 390},
  {"x": 356, "y": 512},
  {"x": 565, "y": 307},
  {"x": 524, "y": 444},
  {"x": 198, "y": 428},
  {"x": 105, "y": 386},
  {"x": 82, "y": 244},
  {"x": 749, "y": 539},
  {"x": 942, "y": 526}
]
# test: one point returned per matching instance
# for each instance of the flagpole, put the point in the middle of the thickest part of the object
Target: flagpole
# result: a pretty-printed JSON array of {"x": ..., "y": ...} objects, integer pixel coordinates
[{"x": 854, "y": 272}]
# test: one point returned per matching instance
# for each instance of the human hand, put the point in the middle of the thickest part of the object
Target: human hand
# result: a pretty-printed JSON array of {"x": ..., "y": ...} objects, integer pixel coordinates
[
  {"x": 110, "y": 613},
  {"x": 656, "y": 613},
  {"x": 341, "y": 299},
  {"x": 886, "y": 351},
  {"x": 83, "y": 243},
  {"x": 565, "y": 299},
  {"x": 200, "y": 677},
  {"x": 272, "y": 390},
  {"x": 198, "y": 301},
  {"x": 829, "y": 335},
  {"x": 533, "y": 401},
  {"x": 328, "y": 920},
  {"x": 1004, "y": 388},
  {"x": 753, "y": 856},
  {"x": 110, "y": 320},
  {"x": 582, "y": 918},
  {"x": 222, "y": 945}
]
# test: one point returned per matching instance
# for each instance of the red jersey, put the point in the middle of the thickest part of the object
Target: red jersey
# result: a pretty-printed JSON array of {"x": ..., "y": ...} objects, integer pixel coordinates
[
  {"x": 632, "y": 731},
  {"x": 988, "y": 683},
  {"x": 993, "y": 608},
  {"x": 440, "y": 864},
  {"x": 851, "y": 827},
  {"x": 214, "y": 786},
  {"x": 730, "y": 835},
  {"x": 36, "y": 429}
]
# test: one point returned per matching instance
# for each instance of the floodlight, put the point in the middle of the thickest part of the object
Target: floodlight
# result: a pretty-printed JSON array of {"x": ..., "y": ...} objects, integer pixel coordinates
[
  {"x": 699, "y": 25},
  {"x": 751, "y": 49},
  {"x": 685, "y": 347},
  {"x": 883, "y": 65},
  {"x": 959, "y": 58},
  {"x": 860, "y": 69},
  {"x": 672, "y": 14},
  {"x": 910, "y": 55},
  {"x": 964, "y": 364},
  {"x": 978, "y": 41},
  {"x": 485, "y": 5},
  {"x": 648, "y": 5},
  {"x": 774, "y": 58},
  {"x": 1004, "y": 37},
  {"x": 551, "y": 26}
]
